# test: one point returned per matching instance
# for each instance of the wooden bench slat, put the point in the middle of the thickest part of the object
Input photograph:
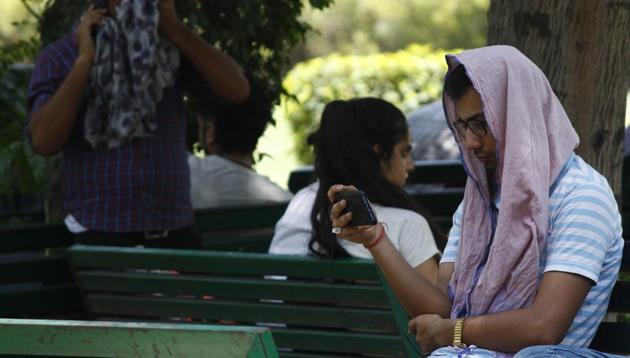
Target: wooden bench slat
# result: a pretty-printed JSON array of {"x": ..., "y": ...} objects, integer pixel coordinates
[
  {"x": 447, "y": 172},
  {"x": 35, "y": 237},
  {"x": 625, "y": 259},
  {"x": 40, "y": 300},
  {"x": 440, "y": 202},
  {"x": 241, "y": 311},
  {"x": 238, "y": 218},
  {"x": 612, "y": 337},
  {"x": 239, "y": 288},
  {"x": 118, "y": 339},
  {"x": 243, "y": 240},
  {"x": 220, "y": 262},
  {"x": 36, "y": 268},
  {"x": 340, "y": 341},
  {"x": 620, "y": 299}
]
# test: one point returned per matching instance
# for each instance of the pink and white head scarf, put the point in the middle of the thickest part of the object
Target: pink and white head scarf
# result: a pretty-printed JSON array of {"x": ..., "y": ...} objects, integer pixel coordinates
[{"x": 534, "y": 139}]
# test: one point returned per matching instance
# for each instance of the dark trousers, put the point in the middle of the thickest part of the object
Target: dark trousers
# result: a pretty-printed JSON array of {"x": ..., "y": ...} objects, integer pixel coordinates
[{"x": 184, "y": 238}]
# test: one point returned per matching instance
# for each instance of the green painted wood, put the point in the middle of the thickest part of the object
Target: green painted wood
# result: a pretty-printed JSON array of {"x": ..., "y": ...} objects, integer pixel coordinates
[
  {"x": 226, "y": 263},
  {"x": 612, "y": 337},
  {"x": 33, "y": 237},
  {"x": 449, "y": 173},
  {"x": 625, "y": 259},
  {"x": 36, "y": 268},
  {"x": 123, "y": 339},
  {"x": 339, "y": 342},
  {"x": 314, "y": 315},
  {"x": 239, "y": 241},
  {"x": 440, "y": 202},
  {"x": 233, "y": 287},
  {"x": 33, "y": 300},
  {"x": 401, "y": 318},
  {"x": 239, "y": 218},
  {"x": 620, "y": 299}
]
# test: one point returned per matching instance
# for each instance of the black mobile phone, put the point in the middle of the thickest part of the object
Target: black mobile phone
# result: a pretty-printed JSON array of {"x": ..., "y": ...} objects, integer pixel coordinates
[{"x": 359, "y": 205}]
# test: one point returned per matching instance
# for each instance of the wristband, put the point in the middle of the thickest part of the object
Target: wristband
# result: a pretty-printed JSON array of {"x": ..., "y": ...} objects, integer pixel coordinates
[{"x": 375, "y": 241}]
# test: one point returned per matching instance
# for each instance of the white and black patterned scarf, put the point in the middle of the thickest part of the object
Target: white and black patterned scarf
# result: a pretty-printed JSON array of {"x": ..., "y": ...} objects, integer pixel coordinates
[{"x": 132, "y": 67}]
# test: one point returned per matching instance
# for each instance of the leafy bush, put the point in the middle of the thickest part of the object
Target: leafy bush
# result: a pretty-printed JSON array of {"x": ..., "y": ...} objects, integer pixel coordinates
[
  {"x": 408, "y": 78},
  {"x": 21, "y": 170}
]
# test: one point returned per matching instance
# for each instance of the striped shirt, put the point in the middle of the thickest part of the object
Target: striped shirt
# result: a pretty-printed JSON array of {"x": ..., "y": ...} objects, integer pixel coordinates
[
  {"x": 584, "y": 238},
  {"x": 143, "y": 185}
]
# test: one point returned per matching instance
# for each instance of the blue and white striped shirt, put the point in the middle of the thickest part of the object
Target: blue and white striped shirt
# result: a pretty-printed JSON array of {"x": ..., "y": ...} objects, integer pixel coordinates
[{"x": 584, "y": 238}]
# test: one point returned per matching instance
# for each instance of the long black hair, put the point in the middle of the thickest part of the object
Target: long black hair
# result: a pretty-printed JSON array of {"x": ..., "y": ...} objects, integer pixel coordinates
[{"x": 344, "y": 154}]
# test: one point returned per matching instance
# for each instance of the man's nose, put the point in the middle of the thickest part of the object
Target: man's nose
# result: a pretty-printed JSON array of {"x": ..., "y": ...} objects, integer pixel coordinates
[
  {"x": 471, "y": 141},
  {"x": 410, "y": 164}
]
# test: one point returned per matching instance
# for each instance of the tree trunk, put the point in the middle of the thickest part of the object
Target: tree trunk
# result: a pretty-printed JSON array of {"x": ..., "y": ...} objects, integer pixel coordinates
[{"x": 583, "y": 46}]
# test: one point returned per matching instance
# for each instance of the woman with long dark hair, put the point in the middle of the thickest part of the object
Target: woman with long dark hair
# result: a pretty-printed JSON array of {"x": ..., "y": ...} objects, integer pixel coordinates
[{"x": 362, "y": 142}]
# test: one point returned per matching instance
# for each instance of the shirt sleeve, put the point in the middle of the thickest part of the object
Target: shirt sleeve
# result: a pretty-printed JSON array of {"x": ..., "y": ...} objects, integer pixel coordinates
[
  {"x": 417, "y": 243},
  {"x": 293, "y": 231},
  {"x": 452, "y": 244},
  {"x": 581, "y": 230},
  {"x": 47, "y": 76}
]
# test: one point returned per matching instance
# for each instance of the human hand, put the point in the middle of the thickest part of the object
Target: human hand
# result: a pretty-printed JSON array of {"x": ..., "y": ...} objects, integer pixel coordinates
[
  {"x": 358, "y": 234},
  {"x": 91, "y": 18},
  {"x": 432, "y": 331},
  {"x": 169, "y": 20}
]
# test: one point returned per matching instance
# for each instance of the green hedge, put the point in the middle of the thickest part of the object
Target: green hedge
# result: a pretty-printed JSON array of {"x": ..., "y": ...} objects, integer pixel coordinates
[{"x": 408, "y": 78}]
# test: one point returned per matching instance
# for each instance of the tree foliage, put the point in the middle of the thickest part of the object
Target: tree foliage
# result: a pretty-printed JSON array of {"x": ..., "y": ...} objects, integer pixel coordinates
[
  {"x": 407, "y": 78},
  {"x": 258, "y": 34},
  {"x": 371, "y": 26},
  {"x": 21, "y": 170}
]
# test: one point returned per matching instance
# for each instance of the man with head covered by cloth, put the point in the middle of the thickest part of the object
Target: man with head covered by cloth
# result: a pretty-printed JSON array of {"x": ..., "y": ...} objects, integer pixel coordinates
[
  {"x": 536, "y": 243},
  {"x": 110, "y": 97}
]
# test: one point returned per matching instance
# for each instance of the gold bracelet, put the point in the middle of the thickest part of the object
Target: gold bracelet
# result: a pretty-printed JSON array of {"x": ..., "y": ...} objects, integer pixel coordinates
[{"x": 457, "y": 333}]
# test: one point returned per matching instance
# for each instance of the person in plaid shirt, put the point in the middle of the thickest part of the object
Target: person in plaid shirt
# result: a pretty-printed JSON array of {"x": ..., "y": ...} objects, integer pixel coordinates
[{"x": 139, "y": 192}]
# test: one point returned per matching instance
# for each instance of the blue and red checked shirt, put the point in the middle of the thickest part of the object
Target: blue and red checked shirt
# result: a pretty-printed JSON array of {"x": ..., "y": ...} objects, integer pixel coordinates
[{"x": 143, "y": 185}]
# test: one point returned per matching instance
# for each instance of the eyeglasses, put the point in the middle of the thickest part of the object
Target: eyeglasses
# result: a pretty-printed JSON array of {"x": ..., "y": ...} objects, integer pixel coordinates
[{"x": 477, "y": 125}]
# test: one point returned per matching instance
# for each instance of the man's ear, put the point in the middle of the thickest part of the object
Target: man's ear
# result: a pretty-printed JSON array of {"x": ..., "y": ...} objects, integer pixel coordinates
[{"x": 377, "y": 149}]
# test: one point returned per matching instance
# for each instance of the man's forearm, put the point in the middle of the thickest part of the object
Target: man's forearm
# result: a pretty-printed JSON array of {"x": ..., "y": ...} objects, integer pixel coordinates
[
  {"x": 218, "y": 69},
  {"x": 510, "y": 331},
  {"x": 51, "y": 125},
  {"x": 417, "y": 294}
]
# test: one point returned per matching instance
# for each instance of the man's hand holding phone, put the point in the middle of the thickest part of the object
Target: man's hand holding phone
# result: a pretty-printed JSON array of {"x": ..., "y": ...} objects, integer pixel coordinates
[{"x": 352, "y": 217}]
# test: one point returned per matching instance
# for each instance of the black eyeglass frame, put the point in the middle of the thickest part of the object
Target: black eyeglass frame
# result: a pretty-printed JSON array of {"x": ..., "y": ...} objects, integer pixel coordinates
[{"x": 477, "y": 125}]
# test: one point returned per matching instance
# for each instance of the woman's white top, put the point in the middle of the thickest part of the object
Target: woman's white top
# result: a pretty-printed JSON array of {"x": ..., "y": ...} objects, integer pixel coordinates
[{"x": 407, "y": 230}]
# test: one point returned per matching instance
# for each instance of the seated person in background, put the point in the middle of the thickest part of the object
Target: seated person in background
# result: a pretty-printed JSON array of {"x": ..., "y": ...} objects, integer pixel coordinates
[
  {"x": 536, "y": 243},
  {"x": 363, "y": 142},
  {"x": 225, "y": 177}
]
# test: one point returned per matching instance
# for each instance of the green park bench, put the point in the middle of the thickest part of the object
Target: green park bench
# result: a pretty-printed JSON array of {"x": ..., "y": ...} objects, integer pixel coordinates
[
  {"x": 324, "y": 308},
  {"x": 35, "y": 279},
  {"x": 128, "y": 339},
  {"x": 427, "y": 173},
  {"x": 248, "y": 228}
]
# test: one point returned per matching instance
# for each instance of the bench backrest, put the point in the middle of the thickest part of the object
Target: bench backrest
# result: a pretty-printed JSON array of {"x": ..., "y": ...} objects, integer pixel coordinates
[
  {"x": 36, "y": 281},
  {"x": 445, "y": 173},
  {"x": 238, "y": 228},
  {"x": 613, "y": 334},
  {"x": 124, "y": 339},
  {"x": 324, "y": 308}
]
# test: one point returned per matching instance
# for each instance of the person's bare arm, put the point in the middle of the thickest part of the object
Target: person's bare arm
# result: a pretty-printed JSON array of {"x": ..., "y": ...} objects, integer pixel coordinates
[
  {"x": 546, "y": 322},
  {"x": 429, "y": 270},
  {"x": 219, "y": 70},
  {"x": 417, "y": 294},
  {"x": 51, "y": 125}
]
